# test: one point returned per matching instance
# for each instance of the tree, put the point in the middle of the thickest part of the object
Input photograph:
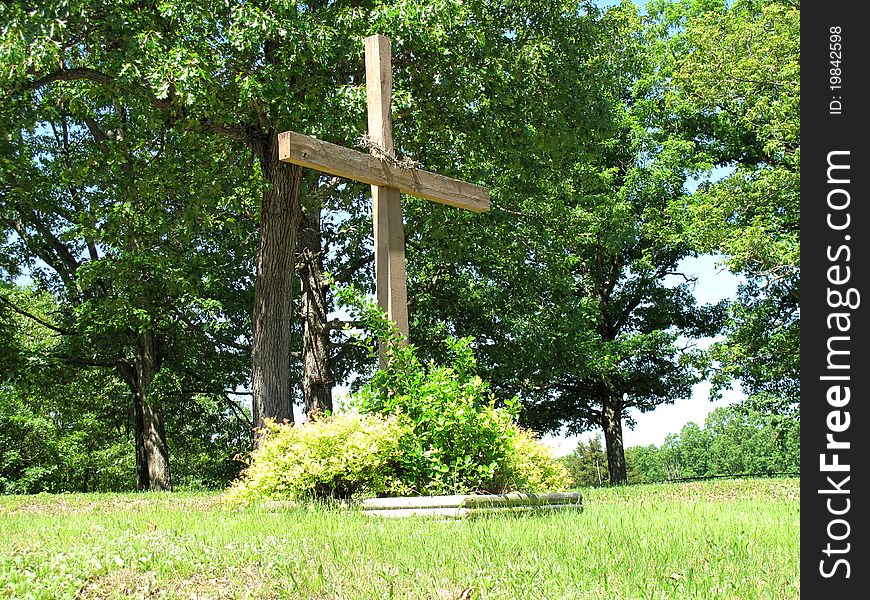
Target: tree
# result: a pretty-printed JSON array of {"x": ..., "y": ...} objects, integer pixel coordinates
[
  {"x": 570, "y": 294},
  {"x": 746, "y": 440},
  {"x": 245, "y": 71},
  {"x": 734, "y": 91},
  {"x": 735, "y": 440},
  {"x": 58, "y": 424},
  {"x": 68, "y": 428},
  {"x": 587, "y": 464},
  {"x": 647, "y": 464},
  {"x": 97, "y": 209}
]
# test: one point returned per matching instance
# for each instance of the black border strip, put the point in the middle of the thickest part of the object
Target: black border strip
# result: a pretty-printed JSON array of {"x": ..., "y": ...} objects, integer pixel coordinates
[{"x": 834, "y": 263}]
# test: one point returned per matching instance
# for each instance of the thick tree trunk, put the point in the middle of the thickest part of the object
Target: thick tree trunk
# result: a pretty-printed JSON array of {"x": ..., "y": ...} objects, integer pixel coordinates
[
  {"x": 152, "y": 452},
  {"x": 611, "y": 423},
  {"x": 156, "y": 450},
  {"x": 142, "y": 479},
  {"x": 316, "y": 379},
  {"x": 280, "y": 218}
]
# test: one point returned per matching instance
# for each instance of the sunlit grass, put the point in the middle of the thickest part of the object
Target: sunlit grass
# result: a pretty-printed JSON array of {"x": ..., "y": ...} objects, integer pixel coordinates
[{"x": 722, "y": 539}]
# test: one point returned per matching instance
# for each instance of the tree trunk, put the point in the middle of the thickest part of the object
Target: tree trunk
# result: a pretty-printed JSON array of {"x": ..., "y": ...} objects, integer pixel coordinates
[
  {"x": 316, "y": 377},
  {"x": 152, "y": 452},
  {"x": 280, "y": 217},
  {"x": 611, "y": 423}
]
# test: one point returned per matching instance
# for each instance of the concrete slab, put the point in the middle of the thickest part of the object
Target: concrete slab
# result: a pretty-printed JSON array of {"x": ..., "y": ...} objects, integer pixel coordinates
[{"x": 471, "y": 505}]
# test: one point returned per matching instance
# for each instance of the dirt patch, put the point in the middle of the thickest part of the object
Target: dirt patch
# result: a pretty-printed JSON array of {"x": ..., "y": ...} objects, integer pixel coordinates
[
  {"x": 120, "y": 584},
  {"x": 73, "y": 505},
  {"x": 246, "y": 582}
]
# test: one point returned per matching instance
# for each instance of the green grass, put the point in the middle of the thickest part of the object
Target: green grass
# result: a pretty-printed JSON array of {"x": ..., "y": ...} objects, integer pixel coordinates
[{"x": 733, "y": 539}]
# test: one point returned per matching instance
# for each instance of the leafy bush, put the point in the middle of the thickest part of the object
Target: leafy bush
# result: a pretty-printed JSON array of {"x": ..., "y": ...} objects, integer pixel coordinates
[
  {"x": 460, "y": 438},
  {"x": 420, "y": 429},
  {"x": 462, "y": 442},
  {"x": 530, "y": 467},
  {"x": 337, "y": 456}
]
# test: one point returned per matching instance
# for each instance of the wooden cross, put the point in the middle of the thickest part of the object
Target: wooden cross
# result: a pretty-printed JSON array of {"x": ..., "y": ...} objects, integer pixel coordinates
[{"x": 388, "y": 178}]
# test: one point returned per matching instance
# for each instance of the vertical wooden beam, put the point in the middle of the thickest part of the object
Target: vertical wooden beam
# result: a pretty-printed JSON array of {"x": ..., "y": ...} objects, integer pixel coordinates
[
  {"x": 379, "y": 91},
  {"x": 386, "y": 201}
]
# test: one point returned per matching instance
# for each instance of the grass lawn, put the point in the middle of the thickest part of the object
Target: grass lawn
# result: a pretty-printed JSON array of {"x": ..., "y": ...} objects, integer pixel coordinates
[{"x": 732, "y": 539}]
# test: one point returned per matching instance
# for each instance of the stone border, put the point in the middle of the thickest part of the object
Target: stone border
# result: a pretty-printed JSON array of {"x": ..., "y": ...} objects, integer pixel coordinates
[{"x": 471, "y": 505}]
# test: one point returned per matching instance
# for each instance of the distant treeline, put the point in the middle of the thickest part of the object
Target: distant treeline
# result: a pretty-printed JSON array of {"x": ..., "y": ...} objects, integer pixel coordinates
[{"x": 734, "y": 441}]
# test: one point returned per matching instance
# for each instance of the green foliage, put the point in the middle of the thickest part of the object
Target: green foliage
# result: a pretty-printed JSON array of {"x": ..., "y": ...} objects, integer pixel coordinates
[
  {"x": 60, "y": 429},
  {"x": 419, "y": 430},
  {"x": 735, "y": 440},
  {"x": 585, "y": 124},
  {"x": 36, "y": 457},
  {"x": 650, "y": 463},
  {"x": 206, "y": 439},
  {"x": 56, "y": 442},
  {"x": 333, "y": 457},
  {"x": 530, "y": 466},
  {"x": 64, "y": 428},
  {"x": 569, "y": 282},
  {"x": 462, "y": 442},
  {"x": 587, "y": 464},
  {"x": 461, "y": 438},
  {"x": 733, "y": 87}
]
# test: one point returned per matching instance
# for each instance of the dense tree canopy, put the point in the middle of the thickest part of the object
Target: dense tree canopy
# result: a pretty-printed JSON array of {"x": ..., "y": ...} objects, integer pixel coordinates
[
  {"x": 734, "y": 440},
  {"x": 65, "y": 426},
  {"x": 168, "y": 262},
  {"x": 570, "y": 292},
  {"x": 734, "y": 90}
]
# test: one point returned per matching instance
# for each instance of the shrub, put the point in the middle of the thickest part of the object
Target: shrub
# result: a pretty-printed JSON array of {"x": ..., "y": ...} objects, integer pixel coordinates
[
  {"x": 337, "y": 456},
  {"x": 420, "y": 429},
  {"x": 460, "y": 438},
  {"x": 462, "y": 441},
  {"x": 530, "y": 467}
]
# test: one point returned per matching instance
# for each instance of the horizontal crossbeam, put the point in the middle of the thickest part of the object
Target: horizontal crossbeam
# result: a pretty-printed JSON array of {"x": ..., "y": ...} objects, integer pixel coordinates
[{"x": 344, "y": 162}]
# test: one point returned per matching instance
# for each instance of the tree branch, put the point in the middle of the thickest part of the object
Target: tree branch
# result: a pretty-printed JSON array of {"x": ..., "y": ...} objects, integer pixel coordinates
[
  {"x": 346, "y": 273},
  {"x": 686, "y": 278},
  {"x": 339, "y": 324},
  {"x": 33, "y": 317},
  {"x": 97, "y": 132},
  {"x": 43, "y": 254},
  {"x": 219, "y": 339},
  {"x": 237, "y": 410},
  {"x": 90, "y": 362},
  {"x": 77, "y": 74},
  {"x": 62, "y": 252},
  {"x": 233, "y": 131}
]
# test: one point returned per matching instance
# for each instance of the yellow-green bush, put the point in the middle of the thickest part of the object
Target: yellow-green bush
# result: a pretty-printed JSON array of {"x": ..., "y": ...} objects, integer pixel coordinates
[
  {"x": 349, "y": 454},
  {"x": 338, "y": 456},
  {"x": 530, "y": 466}
]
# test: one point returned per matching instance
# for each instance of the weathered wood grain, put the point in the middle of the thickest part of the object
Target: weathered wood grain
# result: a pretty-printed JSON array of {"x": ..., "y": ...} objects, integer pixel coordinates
[
  {"x": 344, "y": 162},
  {"x": 389, "y": 231}
]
